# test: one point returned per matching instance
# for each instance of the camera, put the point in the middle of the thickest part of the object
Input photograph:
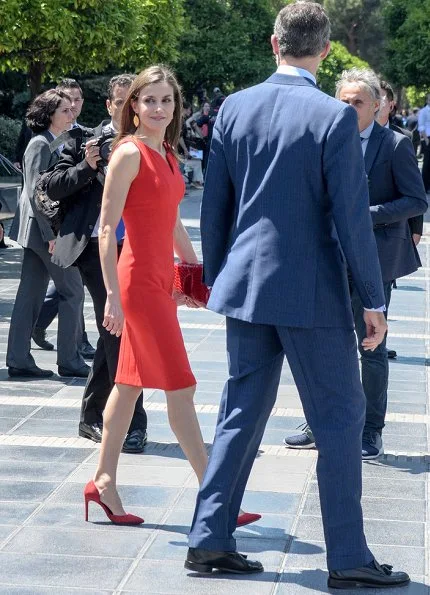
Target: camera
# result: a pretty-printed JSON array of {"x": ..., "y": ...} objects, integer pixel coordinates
[{"x": 104, "y": 142}]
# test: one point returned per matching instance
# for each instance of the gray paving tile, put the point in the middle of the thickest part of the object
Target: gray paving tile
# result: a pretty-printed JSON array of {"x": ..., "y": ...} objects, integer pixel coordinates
[
  {"x": 63, "y": 541},
  {"x": 403, "y": 468},
  {"x": 174, "y": 546},
  {"x": 45, "y": 427},
  {"x": 150, "y": 496},
  {"x": 16, "y": 411},
  {"x": 7, "y": 423},
  {"x": 136, "y": 475},
  {"x": 13, "y": 513},
  {"x": 72, "y": 516},
  {"x": 311, "y": 554},
  {"x": 170, "y": 578},
  {"x": 23, "y": 470},
  {"x": 35, "y": 590},
  {"x": 309, "y": 582},
  {"x": 55, "y": 413},
  {"x": 44, "y": 454},
  {"x": 378, "y": 508},
  {"x": 270, "y": 526},
  {"x": 30, "y": 491},
  {"x": 376, "y": 486},
  {"x": 396, "y": 443},
  {"x": 62, "y": 571},
  {"x": 377, "y": 531}
]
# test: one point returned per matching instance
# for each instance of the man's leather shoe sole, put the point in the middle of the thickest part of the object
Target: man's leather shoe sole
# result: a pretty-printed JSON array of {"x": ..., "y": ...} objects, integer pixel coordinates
[
  {"x": 367, "y": 577},
  {"x": 231, "y": 562},
  {"x": 333, "y": 583},
  {"x": 29, "y": 373}
]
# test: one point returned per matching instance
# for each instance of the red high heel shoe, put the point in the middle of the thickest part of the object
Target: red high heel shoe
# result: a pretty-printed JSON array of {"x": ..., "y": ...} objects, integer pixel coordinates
[
  {"x": 247, "y": 518},
  {"x": 91, "y": 494}
]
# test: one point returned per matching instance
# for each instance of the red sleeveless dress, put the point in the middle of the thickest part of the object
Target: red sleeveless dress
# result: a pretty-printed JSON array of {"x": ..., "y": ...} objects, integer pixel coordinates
[{"x": 152, "y": 353}]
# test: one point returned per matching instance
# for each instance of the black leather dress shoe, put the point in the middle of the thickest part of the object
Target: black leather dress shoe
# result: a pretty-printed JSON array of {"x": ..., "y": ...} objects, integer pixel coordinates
[
  {"x": 39, "y": 337},
  {"x": 135, "y": 441},
  {"x": 81, "y": 372},
  {"x": 91, "y": 431},
  {"x": 87, "y": 350},
  {"x": 391, "y": 354},
  {"x": 374, "y": 576},
  {"x": 29, "y": 372},
  {"x": 204, "y": 561}
]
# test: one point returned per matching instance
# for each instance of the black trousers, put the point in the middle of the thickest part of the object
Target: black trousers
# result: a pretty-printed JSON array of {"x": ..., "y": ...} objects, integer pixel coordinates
[
  {"x": 102, "y": 376},
  {"x": 426, "y": 165}
]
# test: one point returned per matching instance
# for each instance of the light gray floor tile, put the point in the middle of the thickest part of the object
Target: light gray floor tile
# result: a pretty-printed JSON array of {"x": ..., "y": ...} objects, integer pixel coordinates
[{"x": 62, "y": 571}]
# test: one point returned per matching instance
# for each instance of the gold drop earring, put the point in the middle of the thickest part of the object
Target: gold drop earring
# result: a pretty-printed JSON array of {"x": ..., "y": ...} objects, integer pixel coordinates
[{"x": 136, "y": 120}]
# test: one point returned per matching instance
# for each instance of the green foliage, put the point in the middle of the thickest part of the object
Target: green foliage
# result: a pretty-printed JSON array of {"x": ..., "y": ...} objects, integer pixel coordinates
[
  {"x": 407, "y": 25},
  {"x": 52, "y": 39},
  {"x": 225, "y": 43},
  {"x": 330, "y": 69},
  {"x": 9, "y": 132},
  {"x": 416, "y": 97},
  {"x": 357, "y": 24}
]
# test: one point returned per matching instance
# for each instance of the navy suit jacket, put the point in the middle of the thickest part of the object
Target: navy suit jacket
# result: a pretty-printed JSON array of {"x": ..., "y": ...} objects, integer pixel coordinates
[
  {"x": 286, "y": 197},
  {"x": 396, "y": 194}
]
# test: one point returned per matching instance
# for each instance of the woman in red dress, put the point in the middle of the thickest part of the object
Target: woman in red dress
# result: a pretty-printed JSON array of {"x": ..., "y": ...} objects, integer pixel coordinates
[{"x": 144, "y": 186}]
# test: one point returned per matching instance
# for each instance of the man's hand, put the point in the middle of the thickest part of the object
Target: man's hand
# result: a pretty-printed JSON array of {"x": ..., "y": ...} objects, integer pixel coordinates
[
  {"x": 416, "y": 238},
  {"x": 92, "y": 154},
  {"x": 376, "y": 328},
  {"x": 51, "y": 246}
]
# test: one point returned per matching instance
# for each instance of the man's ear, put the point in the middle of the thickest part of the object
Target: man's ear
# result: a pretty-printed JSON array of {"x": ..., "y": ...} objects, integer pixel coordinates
[
  {"x": 275, "y": 44},
  {"x": 325, "y": 51},
  {"x": 108, "y": 107}
]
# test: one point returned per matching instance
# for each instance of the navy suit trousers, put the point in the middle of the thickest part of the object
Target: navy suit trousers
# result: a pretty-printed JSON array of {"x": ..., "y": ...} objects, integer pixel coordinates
[
  {"x": 374, "y": 366},
  {"x": 325, "y": 367}
]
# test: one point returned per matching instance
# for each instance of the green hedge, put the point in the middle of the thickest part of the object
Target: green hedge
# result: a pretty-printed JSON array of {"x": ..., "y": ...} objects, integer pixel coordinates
[{"x": 9, "y": 132}]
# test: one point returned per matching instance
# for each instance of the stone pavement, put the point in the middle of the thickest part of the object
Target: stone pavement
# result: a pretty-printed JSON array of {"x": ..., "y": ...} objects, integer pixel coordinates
[{"x": 46, "y": 547}]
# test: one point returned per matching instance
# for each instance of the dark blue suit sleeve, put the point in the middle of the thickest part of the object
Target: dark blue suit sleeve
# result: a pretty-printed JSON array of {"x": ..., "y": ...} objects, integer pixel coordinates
[
  {"x": 217, "y": 206},
  {"x": 348, "y": 193},
  {"x": 409, "y": 183}
]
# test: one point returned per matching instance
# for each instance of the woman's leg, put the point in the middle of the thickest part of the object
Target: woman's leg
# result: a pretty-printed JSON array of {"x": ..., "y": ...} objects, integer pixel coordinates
[
  {"x": 184, "y": 423},
  {"x": 116, "y": 421}
]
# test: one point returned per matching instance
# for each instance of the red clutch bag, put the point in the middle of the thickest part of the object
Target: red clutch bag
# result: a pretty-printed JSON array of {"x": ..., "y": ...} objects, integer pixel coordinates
[{"x": 188, "y": 280}]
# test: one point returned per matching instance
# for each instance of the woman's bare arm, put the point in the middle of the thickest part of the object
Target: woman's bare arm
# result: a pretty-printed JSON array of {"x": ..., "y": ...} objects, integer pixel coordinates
[{"x": 123, "y": 168}]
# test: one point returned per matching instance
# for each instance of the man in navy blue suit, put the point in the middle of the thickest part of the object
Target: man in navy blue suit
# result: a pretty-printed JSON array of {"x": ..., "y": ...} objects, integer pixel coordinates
[
  {"x": 396, "y": 194},
  {"x": 285, "y": 209}
]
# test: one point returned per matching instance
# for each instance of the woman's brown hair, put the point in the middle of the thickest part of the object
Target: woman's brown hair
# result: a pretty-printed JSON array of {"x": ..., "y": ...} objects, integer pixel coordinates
[
  {"x": 149, "y": 76},
  {"x": 39, "y": 114}
]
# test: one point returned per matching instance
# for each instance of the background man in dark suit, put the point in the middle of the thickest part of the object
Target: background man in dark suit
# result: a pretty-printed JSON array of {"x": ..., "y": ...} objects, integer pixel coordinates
[
  {"x": 78, "y": 180},
  {"x": 396, "y": 194},
  {"x": 387, "y": 107},
  {"x": 285, "y": 202}
]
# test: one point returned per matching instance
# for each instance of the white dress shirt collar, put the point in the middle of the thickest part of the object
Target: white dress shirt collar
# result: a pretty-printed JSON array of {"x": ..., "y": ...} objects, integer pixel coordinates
[{"x": 295, "y": 71}]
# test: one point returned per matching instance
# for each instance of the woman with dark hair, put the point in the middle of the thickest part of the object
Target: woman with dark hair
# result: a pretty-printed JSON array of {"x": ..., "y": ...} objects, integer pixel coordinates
[
  {"x": 144, "y": 186},
  {"x": 48, "y": 116}
]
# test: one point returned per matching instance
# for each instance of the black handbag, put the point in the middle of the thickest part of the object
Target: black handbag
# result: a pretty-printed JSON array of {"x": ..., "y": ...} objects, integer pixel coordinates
[{"x": 51, "y": 210}]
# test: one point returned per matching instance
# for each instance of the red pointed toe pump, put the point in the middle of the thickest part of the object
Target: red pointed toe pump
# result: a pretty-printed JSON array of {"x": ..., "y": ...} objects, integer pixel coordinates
[
  {"x": 247, "y": 518},
  {"x": 91, "y": 494}
]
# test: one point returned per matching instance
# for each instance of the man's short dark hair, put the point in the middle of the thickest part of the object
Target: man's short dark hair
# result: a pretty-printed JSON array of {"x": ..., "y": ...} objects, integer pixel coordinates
[
  {"x": 302, "y": 29},
  {"x": 39, "y": 114},
  {"x": 65, "y": 84},
  {"x": 120, "y": 80},
  {"x": 388, "y": 90}
]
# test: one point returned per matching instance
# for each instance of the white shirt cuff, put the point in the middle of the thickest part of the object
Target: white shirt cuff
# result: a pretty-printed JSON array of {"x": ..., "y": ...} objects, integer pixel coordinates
[{"x": 380, "y": 309}]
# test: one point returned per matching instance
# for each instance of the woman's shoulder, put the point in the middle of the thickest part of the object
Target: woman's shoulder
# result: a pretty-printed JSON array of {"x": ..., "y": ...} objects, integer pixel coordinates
[{"x": 126, "y": 147}]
